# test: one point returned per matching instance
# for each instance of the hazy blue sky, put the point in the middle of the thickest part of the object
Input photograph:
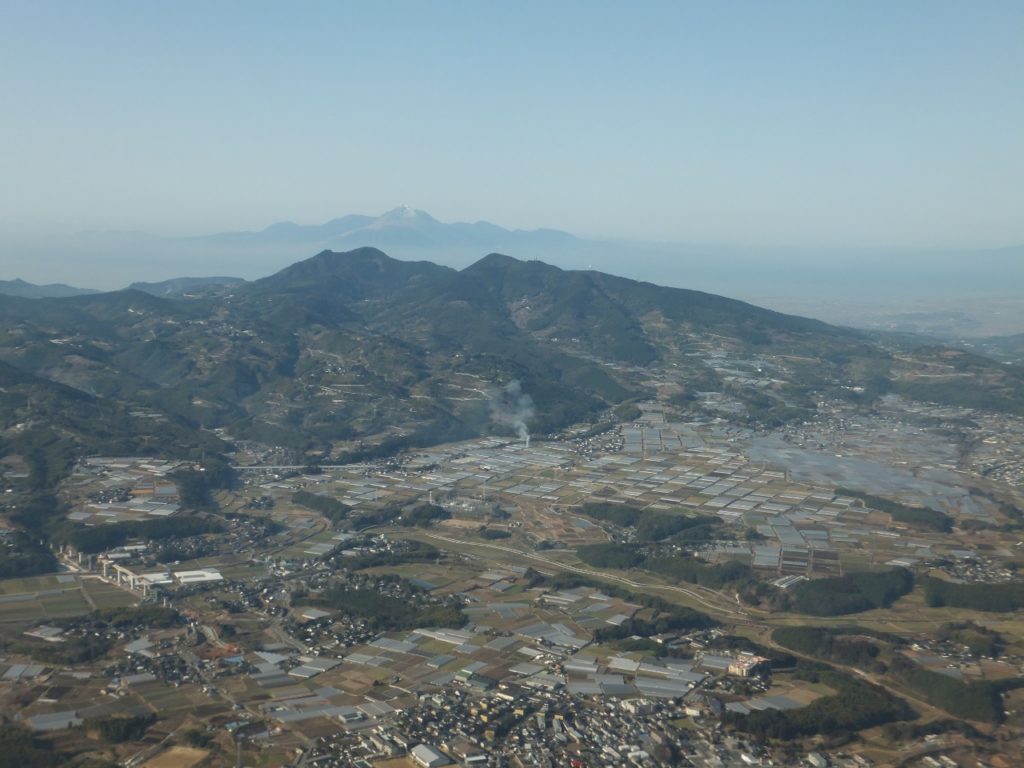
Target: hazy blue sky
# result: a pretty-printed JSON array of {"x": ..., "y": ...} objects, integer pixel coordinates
[{"x": 805, "y": 123}]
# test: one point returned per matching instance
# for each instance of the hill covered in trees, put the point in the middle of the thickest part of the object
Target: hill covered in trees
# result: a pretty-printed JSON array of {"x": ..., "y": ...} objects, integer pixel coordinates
[
  {"x": 359, "y": 356},
  {"x": 426, "y": 344}
]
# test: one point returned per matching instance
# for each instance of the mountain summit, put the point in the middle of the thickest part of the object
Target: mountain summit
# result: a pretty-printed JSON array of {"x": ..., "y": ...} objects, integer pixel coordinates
[{"x": 405, "y": 213}]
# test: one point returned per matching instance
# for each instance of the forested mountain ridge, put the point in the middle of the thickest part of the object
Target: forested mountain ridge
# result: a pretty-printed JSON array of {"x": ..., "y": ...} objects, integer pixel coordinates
[{"x": 358, "y": 346}]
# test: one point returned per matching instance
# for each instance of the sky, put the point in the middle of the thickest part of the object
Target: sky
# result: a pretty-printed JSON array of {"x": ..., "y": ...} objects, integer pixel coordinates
[{"x": 808, "y": 124}]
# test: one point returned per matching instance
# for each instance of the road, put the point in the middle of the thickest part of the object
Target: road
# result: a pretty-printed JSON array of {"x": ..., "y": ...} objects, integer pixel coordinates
[
  {"x": 721, "y": 604},
  {"x": 288, "y": 467},
  {"x": 751, "y": 616}
]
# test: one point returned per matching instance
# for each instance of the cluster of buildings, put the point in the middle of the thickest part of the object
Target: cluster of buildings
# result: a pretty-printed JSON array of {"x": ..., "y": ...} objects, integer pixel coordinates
[
  {"x": 145, "y": 583},
  {"x": 123, "y": 489},
  {"x": 515, "y": 726}
]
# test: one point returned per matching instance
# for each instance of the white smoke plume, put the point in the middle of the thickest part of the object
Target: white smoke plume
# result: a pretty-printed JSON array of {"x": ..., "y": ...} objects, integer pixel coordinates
[{"x": 513, "y": 407}]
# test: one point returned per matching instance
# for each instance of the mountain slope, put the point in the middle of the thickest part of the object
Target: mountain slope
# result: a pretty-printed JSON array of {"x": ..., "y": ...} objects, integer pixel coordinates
[
  {"x": 343, "y": 346},
  {"x": 47, "y": 425},
  {"x": 609, "y": 313},
  {"x": 347, "y": 351},
  {"x": 184, "y": 285}
]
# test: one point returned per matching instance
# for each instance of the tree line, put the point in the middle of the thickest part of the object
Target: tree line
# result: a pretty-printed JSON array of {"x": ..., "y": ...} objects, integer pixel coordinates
[
  {"x": 995, "y": 598},
  {"x": 652, "y": 525},
  {"x": 919, "y": 517},
  {"x": 850, "y": 593},
  {"x": 332, "y": 509},
  {"x": 828, "y": 645},
  {"x": 855, "y": 705},
  {"x": 980, "y": 701},
  {"x": 101, "y": 538},
  {"x": 386, "y": 613},
  {"x": 832, "y": 596}
]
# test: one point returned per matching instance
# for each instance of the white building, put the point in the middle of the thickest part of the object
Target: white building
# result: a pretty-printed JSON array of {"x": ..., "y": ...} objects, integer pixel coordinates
[{"x": 428, "y": 756}]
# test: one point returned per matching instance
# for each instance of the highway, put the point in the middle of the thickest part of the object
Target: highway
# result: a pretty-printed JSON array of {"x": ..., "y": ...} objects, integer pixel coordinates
[{"x": 721, "y": 606}]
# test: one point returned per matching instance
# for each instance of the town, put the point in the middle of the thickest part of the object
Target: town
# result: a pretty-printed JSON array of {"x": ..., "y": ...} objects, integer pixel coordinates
[{"x": 309, "y": 628}]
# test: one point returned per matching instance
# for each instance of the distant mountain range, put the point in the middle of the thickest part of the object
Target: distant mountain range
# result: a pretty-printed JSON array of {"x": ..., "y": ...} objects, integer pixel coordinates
[
  {"x": 402, "y": 227},
  {"x": 834, "y": 285},
  {"x": 174, "y": 288},
  {"x": 404, "y": 231},
  {"x": 19, "y": 287}
]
